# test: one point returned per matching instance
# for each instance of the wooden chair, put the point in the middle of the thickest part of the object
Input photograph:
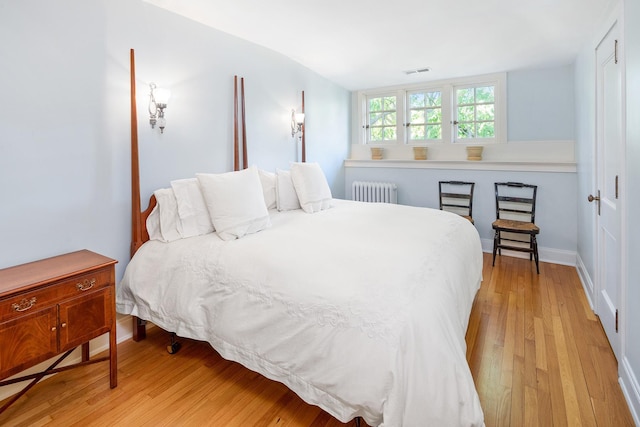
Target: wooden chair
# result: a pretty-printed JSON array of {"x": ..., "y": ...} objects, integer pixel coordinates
[
  {"x": 457, "y": 197},
  {"x": 515, "y": 227}
]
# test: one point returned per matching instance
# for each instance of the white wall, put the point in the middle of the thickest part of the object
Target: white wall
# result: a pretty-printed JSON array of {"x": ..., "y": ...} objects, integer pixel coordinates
[{"x": 64, "y": 122}]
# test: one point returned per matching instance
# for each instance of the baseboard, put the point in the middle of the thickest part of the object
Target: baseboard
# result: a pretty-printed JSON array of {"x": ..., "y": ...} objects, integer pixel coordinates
[
  {"x": 554, "y": 256},
  {"x": 630, "y": 389},
  {"x": 585, "y": 279}
]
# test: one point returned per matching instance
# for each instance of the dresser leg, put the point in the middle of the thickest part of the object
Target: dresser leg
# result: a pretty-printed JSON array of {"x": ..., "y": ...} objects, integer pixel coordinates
[
  {"x": 113, "y": 358},
  {"x": 85, "y": 352}
]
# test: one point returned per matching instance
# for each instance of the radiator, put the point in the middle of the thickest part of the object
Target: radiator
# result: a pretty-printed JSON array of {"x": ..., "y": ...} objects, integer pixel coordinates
[{"x": 380, "y": 192}]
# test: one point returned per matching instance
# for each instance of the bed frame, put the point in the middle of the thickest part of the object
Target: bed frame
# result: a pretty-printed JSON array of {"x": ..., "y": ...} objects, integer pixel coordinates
[{"x": 139, "y": 234}]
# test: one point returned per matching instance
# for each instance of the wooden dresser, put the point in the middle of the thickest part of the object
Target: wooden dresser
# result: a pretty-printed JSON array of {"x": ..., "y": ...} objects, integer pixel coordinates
[{"x": 52, "y": 306}]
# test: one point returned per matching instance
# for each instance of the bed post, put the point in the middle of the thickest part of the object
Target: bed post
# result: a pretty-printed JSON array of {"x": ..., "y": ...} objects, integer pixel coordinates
[
  {"x": 245, "y": 161},
  {"x": 139, "y": 332},
  {"x": 236, "y": 154},
  {"x": 304, "y": 145},
  {"x": 136, "y": 233},
  {"x": 236, "y": 138}
]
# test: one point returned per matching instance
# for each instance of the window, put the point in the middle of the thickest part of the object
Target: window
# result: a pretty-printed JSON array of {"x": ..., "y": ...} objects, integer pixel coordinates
[
  {"x": 475, "y": 112},
  {"x": 382, "y": 118},
  {"x": 469, "y": 110},
  {"x": 425, "y": 116}
]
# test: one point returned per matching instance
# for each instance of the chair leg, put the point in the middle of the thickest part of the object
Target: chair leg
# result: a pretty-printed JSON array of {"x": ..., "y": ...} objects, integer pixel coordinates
[
  {"x": 495, "y": 246},
  {"x": 535, "y": 253}
]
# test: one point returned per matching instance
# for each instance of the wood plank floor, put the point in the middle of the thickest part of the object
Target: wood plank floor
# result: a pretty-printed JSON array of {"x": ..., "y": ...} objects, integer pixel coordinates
[{"x": 538, "y": 355}]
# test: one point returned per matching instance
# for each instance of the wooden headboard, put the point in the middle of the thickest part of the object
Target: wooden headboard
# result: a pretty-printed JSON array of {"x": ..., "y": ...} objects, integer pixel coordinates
[{"x": 139, "y": 233}]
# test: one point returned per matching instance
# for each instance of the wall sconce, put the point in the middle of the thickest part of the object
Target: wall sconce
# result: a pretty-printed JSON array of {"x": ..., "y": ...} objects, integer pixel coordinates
[
  {"x": 158, "y": 98},
  {"x": 297, "y": 123}
]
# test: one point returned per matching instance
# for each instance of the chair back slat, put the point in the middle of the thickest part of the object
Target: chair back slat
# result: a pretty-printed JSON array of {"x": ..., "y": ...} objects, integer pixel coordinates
[
  {"x": 457, "y": 197},
  {"x": 516, "y": 201}
]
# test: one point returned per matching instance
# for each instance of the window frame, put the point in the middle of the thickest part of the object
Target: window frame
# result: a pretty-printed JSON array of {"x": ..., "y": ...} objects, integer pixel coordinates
[
  {"x": 368, "y": 113},
  {"x": 444, "y": 106},
  {"x": 449, "y": 110}
]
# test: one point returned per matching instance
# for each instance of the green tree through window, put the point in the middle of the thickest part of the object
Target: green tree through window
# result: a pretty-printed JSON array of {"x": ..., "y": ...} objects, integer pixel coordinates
[
  {"x": 382, "y": 118},
  {"x": 475, "y": 112}
]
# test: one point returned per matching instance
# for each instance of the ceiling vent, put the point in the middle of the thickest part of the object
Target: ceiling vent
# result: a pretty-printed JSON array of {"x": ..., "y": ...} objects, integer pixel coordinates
[{"x": 417, "y": 71}]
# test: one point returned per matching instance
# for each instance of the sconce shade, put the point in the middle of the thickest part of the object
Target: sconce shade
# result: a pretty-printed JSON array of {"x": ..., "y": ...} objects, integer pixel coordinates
[
  {"x": 297, "y": 121},
  {"x": 162, "y": 95},
  {"x": 158, "y": 99}
]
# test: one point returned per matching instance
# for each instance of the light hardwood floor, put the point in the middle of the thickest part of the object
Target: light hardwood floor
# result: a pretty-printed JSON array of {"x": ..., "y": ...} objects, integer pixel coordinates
[{"x": 537, "y": 352}]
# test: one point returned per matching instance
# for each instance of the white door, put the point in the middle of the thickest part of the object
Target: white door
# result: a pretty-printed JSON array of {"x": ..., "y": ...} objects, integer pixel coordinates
[{"x": 607, "y": 202}]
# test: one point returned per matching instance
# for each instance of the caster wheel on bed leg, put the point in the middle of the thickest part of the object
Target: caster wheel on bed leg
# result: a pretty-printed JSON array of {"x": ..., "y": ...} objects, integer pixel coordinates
[{"x": 173, "y": 348}]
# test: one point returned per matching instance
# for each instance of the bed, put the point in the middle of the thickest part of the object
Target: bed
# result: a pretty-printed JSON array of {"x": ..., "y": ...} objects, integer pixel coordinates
[{"x": 359, "y": 308}]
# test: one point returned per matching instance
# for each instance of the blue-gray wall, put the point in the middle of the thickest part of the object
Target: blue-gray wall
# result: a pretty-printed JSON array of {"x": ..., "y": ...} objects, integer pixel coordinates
[
  {"x": 540, "y": 104},
  {"x": 64, "y": 119}
]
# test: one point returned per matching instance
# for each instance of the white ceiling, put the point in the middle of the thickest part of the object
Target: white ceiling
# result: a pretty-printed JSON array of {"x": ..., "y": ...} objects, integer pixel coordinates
[{"x": 362, "y": 44}]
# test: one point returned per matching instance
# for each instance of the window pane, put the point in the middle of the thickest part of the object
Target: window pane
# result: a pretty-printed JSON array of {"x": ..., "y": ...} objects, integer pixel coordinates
[
  {"x": 434, "y": 131},
  {"x": 389, "y": 133},
  {"x": 389, "y": 103},
  {"x": 375, "y": 119},
  {"x": 466, "y": 114},
  {"x": 390, "y": 119},
  {"x": 465, "y": 130},
  {"x": 434, "y": 115},
  {"x": 417, "y": 116},
  {"x": 375, "y": 104},
  {"x": 486, "y": 130},
  {"x": 485, "y": 94},
  {"x": 417, "y": 132},
  {"x": 376, "y": 134},
  {"x": 465, "y": 96},
  {"x": 416, "y": 100},
  {"x": 486, "y": 112},
  {"x": 434, "y": 99}
]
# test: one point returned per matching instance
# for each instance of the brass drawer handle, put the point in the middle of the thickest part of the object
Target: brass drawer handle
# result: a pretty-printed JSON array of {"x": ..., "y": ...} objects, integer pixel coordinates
[
  {"x": 86, "y": 284},
  {"x": 24, "y": 305}
]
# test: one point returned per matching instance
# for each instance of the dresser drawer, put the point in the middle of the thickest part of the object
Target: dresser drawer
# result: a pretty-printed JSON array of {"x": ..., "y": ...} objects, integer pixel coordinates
[{"x": 22, "y": 303}]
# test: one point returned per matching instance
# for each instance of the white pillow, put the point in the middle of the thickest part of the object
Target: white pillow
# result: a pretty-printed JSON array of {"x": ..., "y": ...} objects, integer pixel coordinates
[
  {"x": 268, "y": 181},
  {"x": 192, "y": 210},
  {"x": 311, "y": 187},
  {"x": 167, "y": 211},
  {"x": 235, "y": 202},
  {"x": 287, "y": 199},
  {"x": 153, "y": 224}
]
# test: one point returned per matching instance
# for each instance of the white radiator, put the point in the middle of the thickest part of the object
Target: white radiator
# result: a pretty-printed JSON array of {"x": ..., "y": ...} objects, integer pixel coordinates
[{"x": 380, "y": 192}]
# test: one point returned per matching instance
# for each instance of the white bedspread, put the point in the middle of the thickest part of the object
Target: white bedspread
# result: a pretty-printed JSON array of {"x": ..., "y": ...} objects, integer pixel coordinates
[{"x": 360, "y": 309}]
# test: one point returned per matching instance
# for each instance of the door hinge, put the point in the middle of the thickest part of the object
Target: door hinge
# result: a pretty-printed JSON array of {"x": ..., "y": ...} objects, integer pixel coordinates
[
  {"x": 615, "y": 51},
  {"x": 616, "y": 320}
]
